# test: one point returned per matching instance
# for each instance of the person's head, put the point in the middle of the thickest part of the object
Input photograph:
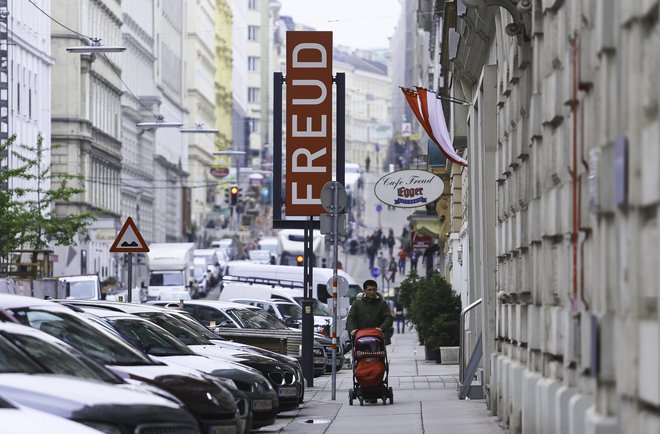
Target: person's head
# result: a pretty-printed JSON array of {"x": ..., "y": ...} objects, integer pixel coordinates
[{"x": 370, "y": 288}]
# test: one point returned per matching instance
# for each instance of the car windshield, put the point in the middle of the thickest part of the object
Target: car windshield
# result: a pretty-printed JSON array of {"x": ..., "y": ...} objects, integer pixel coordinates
[
  {"x": 149, "y": 337},
  {"x": 178, "y": 328},
  {"x": 81, "y": 290},
  {"x": 59, "y": 358},
  {"x": 290, "y": 310},
  {"x": 102, "y": 346},
  {"x": 13, "y": 361},
  {"x": 173, "y": 278},
  {"x": 251, "y": 319},
  {"x": 195, "y": 325},
  {"x": 318, "y": 308}
]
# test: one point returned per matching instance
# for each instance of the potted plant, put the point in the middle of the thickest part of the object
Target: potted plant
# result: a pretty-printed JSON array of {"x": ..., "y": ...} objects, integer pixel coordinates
[{"x": 434, "y": 308}]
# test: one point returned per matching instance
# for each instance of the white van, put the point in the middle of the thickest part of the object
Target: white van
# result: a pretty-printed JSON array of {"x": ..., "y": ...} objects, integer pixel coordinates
[
  {"x": 294, "y": 274},
  {"x": 237, "y": 290}
]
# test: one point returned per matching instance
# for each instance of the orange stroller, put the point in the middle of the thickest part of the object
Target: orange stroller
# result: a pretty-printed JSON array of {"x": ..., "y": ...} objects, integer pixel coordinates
[{"x": 370, "y": 368}]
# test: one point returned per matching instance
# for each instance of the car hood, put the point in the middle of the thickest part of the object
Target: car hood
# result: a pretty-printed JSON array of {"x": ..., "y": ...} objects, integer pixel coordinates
[
  {"x": 255, "y": 350},
  {"x": 261, "y": 363},
  {"x": 25, "y": 420},
  {"x": 77, "y": 399},
  {"x": 215, "y": 367},
  {"x": 197, "y": 393}
]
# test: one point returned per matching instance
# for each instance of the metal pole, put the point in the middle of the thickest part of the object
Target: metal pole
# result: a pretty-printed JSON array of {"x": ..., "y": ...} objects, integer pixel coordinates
[
  {"x": 335, "y": 300},
  {"x": 278, "y": 81},
  {"x": 238, "y": 185},
  {"x": 307, "y": 305},
  {"x": 129, "y": 295}
]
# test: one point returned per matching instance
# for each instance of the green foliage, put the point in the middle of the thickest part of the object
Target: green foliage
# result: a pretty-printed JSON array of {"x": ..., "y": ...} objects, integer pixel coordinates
[
  {"x": 28, "y": 214},
  {"x": 433, "y": 307}
]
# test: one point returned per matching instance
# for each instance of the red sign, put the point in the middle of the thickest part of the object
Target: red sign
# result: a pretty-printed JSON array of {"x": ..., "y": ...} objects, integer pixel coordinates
[
  {"x": 308, "y": 120},
  {"x": 421, "y": 241}
]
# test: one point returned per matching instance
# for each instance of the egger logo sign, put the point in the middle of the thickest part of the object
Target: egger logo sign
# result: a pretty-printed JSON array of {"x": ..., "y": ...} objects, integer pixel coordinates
[{"x": 308, "y": 120}]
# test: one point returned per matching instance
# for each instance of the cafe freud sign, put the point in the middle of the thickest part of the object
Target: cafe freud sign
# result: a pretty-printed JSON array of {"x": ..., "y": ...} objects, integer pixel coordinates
[{"x": 409, "y": 188}]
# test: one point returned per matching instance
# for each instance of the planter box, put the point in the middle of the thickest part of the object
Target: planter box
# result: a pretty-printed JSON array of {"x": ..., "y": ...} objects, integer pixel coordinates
[{"x": 448, "y": 355}]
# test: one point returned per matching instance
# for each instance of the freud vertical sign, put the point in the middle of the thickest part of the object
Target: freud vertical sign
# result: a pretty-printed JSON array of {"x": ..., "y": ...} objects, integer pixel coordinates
[{"x": 308, "y": 120}]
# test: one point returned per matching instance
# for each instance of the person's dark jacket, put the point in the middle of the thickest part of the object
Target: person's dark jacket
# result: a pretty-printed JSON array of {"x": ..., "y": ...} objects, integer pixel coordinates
[{"x": 370, "y": 313}]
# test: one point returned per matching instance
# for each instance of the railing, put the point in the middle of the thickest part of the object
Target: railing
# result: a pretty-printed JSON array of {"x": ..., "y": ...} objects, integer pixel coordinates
[{"x": 461, "y": 363}]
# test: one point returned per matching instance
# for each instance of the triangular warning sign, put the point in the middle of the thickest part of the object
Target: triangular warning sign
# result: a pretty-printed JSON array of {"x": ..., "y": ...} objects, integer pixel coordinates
[{"x": 129, "y": 240}]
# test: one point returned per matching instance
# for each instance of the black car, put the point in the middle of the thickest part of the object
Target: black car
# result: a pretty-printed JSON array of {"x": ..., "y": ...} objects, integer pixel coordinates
[
  {"x": 108, "y": 408},
  {"x": 162, "y": 346},
  {"x": 102, "y": 345},
  {"x": 284, "y": 377}
]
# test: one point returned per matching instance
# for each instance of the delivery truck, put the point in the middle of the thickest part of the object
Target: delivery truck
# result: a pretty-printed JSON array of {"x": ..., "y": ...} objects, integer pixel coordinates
[{"x": 171, "y": 269}]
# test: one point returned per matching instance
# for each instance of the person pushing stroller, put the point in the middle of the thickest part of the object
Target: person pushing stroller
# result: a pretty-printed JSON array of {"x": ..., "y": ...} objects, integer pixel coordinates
[{"x": 370, "y": 311}]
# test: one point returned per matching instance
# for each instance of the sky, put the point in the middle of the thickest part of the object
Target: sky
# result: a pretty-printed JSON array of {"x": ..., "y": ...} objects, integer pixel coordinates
[{"x": 354, "y": 23}]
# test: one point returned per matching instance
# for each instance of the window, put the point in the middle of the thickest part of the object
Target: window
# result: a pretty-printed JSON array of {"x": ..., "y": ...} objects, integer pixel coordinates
[
  {"x": 253, "y": 5},
  {"x": 253, "y": 33},
  {"x": 253, "y": 63},
  {"x": 253, "y": 95},
  {"x": 254, "y": 125}
]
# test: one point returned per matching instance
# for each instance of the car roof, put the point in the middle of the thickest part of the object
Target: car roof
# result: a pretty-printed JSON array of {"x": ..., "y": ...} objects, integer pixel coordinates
[
  {"x": 105, "y": 313},
  {"x": 115, "y": 306},
  {"x": 213, "y": 303},
  {"x": 11, "y": 301}
]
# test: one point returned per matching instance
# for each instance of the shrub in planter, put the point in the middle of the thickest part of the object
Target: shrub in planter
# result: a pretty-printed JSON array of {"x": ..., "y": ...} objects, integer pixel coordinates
[{"x": 435, "y": 311}]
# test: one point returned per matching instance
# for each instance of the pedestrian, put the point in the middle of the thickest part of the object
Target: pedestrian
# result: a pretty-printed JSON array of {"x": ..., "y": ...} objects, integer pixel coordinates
[
  {"x": 382, "y": 265},
  {"x": 391, "y": 268},
  {"x": 390, "y": 241},
  {"x": 371, "y": 251},
  {"x": 400, "y": 317},
  {"x": 367, "y": 163},
  {"x": 414, "y": 256},
  {"x": 370, "y": 311},
  {"x": 403, "y": 256}
]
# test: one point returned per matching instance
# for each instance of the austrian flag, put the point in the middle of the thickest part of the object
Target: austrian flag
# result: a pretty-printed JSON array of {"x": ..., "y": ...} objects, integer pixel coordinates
[{"x": 428, "y": 110}]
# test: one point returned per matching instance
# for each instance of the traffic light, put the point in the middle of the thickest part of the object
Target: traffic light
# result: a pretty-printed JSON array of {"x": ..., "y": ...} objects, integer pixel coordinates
[
  {"x": 233, "y": 193},
  {"x": 299, "y": 260}
]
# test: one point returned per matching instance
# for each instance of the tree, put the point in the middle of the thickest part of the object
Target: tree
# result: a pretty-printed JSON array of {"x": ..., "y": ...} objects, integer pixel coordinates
[
  {"x": 28, "y": 214},
  {"x": 433, "y": 307}
]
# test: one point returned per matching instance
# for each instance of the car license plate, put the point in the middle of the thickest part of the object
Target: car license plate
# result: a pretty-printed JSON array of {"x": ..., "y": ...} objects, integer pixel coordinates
[
  {"x": 262, "y": 404},
  {"x": 223, "y": 430},
  {"x": 287, "y": 392}
]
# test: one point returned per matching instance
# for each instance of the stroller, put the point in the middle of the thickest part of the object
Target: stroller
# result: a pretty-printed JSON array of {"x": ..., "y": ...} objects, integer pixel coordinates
[{"x": 370, "y": 368}]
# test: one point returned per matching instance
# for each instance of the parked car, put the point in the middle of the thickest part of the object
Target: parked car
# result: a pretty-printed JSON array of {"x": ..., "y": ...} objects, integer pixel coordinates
[
  {"x": 162, "y": 346},
  {"x": 285, "y": 377},
  {"x": 17, "y": 418},
  {"x": 218, "y": 315},
  {"x": 104, "y": 346},
  {"x": 287, "y": 312},
  {"x": 199, "y": 328},
  {"x": 106, "y": 407}
]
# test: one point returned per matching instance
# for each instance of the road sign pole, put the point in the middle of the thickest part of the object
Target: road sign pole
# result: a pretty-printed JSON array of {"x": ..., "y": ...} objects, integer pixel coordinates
[
  {"x": 335, "y": 231},
  {"x": 130, "y": 278}
]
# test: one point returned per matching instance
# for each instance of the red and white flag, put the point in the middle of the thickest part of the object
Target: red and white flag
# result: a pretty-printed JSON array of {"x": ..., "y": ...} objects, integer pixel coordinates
[{"x": 428, "y": 110}]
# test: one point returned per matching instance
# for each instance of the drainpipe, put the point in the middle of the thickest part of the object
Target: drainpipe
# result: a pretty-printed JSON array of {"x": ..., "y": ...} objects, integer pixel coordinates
[{"x": 574, "y": 233}]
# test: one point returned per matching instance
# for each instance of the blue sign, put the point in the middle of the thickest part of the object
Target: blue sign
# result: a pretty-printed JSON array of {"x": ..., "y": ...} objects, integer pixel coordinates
[
  {"x": 374, "y": 272},
  {"x": 379, "y": 208}
]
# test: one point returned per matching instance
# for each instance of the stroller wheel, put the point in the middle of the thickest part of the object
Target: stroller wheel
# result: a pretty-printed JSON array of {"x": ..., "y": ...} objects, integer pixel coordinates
[
  {"x": 361, "y": 402},
  {"x": 391, "y": 394},
  {"x": 351, "y": 395}
]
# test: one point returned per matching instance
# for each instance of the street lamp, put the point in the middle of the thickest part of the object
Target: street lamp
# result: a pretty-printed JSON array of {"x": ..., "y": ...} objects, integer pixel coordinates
[
  {"x": 236, "y": 154},
  {"x": 96, "y": 47},
  {"x": 159, "y": 123},
  {"x": 199, "y": 128}
]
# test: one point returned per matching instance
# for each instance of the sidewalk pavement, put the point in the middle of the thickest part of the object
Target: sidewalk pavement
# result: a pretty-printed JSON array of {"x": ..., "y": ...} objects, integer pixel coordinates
[{"x": 425, "y": 401}]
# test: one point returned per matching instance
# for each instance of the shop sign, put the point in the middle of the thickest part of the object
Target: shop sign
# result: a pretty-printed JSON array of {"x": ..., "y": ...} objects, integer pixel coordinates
[{"x": 409, "y": 188}]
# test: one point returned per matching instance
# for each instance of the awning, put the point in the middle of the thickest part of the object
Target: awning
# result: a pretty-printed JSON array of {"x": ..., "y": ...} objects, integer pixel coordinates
[{"x": 427, "y": 224}]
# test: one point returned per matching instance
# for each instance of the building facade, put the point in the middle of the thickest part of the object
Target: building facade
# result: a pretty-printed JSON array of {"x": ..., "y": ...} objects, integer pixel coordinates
[
  {"x": 86, "y": 123},
  {"x": 203, "y": 103},
  {"x": 559, "y": 207},
  {"x": 29, "y": 81}
]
